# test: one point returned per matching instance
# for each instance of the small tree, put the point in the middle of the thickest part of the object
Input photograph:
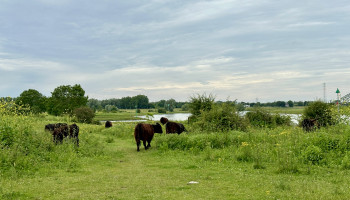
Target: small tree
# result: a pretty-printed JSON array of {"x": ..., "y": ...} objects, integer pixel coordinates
[
  {"x": 201, "y": 103},
  {"x": 320, "y": 111},
  {"x": 84, "y": 114},
  {"x": 66, "y": 98},
  {"x": 33, "y": 100}
]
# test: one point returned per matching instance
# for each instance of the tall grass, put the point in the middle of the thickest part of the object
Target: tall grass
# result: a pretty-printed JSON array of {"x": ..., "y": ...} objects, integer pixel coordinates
[
  {"x": 26, "y": 147},
  {"x": 288, "y": 148}
]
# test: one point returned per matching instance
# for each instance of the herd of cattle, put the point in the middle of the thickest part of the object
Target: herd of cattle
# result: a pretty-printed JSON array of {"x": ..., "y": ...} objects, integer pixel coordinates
[
  {"x": 62, "y": 130},
  {"x": 144, "y": 132}
]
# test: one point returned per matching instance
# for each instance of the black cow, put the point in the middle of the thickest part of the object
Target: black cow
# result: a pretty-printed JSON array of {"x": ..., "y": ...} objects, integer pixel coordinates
[
  {"x": 108, "y": 124},
  {"x": 74, "y": 133},
  {"x": 62, "y": 130},
  {"x": 172, "y": 127},
  {"x": 145, "y": 132},
  {"x": 309, "y": 124}
]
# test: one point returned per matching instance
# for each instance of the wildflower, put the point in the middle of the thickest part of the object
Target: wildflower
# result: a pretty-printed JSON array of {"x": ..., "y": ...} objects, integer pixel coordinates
[
  {"x": 245, "y": 144},
  {"x": 268, "y": 192},
  {"x": 283, "y": 132}
]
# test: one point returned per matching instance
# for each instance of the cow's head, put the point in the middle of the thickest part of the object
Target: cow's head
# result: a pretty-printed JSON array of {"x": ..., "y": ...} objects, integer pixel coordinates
[{"x": 157, "y": 128}]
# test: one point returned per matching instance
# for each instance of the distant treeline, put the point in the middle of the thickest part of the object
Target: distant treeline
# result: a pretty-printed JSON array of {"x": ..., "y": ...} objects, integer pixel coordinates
[
  {"x": 279, "y": 104},
  {"x": 67, "y": 98},
  {"x": 135, "y": 102}
]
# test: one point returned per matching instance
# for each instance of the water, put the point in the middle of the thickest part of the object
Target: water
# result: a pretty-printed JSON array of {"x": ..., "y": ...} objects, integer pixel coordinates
[
  {"x": 171, "y": 117},
  {"x": 184, "y": 116}
]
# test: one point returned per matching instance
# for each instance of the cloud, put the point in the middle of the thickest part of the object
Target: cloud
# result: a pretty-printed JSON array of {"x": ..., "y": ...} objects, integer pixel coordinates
[{"x": 173, "y": 49}]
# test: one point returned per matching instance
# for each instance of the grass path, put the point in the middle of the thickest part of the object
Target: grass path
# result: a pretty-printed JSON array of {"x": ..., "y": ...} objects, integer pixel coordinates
[{"x": 127, "y": 174}]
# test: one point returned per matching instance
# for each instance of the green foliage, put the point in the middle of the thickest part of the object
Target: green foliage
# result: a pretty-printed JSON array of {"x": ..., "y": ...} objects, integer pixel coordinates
[
  {"x": 33, "y": 100},
  {"x": 201, "y": 103},
  {"x": 185, "y": 107},
  {"x": 161, "y": 110},
  {"x": 320, "y": 111},
  {"x": 65, "y": 99},
  {"x": 7, "y": 136},
  {"x": 313, "y": 154},
  {"x": 84, "y": 114},
  {"x": 259, "y": 117},
  {"x": 111, "y": 108},
  {"x": 221, "y": 117}
]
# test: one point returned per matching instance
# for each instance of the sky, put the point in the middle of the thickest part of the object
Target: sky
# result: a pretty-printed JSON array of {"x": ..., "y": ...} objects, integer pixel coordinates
[{"x": 251, "y": 50}]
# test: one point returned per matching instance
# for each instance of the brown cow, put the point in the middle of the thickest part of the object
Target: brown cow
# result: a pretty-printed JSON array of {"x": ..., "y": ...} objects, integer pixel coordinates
[
  {"x": 62, "y": 130},
  {"x": 108, "y": 124},
  {"x": 309, "y": 124},
  {"x": 172, "y": 127},
  {"x": 145, "y": 132},
  {"x": 74, "y": 133},
  {"x": 60, "y": 133}
]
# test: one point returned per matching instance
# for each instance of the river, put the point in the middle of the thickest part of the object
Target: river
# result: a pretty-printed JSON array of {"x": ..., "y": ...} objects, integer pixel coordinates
[{"x": 184, "y": 116}]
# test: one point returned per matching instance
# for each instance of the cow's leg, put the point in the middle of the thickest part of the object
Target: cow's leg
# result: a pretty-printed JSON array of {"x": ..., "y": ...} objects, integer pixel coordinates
[
  {"x": 138, "y": 143},
  {"x": 144, "y": 144}
]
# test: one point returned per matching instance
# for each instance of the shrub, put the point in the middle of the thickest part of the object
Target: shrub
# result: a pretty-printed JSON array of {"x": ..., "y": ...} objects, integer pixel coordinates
[
  {"x": 320, "y": 111},
  {"x": 221, "y": 117},
  {"x": 84, "y": 114},
  {"x": 262, "y": 118},
  {"x": 201, "y": 103},
  {"x": 313, "y": 154},
  {"x": 161, "y": 110}
]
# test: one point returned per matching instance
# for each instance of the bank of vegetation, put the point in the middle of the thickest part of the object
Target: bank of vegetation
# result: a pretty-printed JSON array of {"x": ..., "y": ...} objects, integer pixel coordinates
[{"x": 260, "y": 155}]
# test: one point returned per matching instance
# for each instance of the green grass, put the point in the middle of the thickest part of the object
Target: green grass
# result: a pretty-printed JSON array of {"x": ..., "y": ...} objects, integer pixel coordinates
[
  {"x": 128, "y": 114},
  {"x": 292, "y": 110},
  {"x": 257, "y": 164}
]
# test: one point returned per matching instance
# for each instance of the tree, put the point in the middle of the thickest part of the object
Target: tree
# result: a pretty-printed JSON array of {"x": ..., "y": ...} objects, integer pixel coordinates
[
  {"x": 84, "y": 114},
  {"x": 33, "y": 100},
  {"x": 320, "y": 111},
  {"x": 65, "y": 98},
  {"x": 170, "y": 105},
  {"x": 94, "y": 104},
  {"x": 201, "y": 103},
  {"x": 290, "y": 103},
  {"x": 141, "y": 101}
]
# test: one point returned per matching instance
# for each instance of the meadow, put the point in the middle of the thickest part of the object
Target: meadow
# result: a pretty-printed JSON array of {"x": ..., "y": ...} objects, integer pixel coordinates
[{"x": 259, "y": 163}]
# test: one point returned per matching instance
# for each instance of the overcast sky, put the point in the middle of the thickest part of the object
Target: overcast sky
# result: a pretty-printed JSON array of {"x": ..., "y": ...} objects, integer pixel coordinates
[{"x": 249, "y": 50}]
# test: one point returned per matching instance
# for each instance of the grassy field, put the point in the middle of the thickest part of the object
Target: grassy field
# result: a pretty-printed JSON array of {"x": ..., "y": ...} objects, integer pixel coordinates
[
  {"x": 128, "y": 114},
  {"x": 257, "y": 164},
  {"x": 280, "y": 110}
]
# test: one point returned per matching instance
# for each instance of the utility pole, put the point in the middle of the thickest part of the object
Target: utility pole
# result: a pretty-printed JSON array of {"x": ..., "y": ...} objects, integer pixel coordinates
[{"x": 324, "y": 93}]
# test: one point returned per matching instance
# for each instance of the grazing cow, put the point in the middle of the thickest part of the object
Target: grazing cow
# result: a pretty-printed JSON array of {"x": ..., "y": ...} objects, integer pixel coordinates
[
  {"x": 309, "y": 124},
  {"x": 60, "y": 133},
  {"x": 172, "y": 127},
  {"x": 62, "y": 130},
  {"x": 51, "y": 127},
  {"x": 74, "y": 133},
  {"x": 145, "y": 133},
  {"x": 108, "y": 124}
]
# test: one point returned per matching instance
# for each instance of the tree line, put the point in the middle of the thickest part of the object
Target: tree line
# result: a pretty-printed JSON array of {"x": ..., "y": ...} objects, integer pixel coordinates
[
  {"x": 67, "y": 98},
  {"x": 135, "y": 102}
]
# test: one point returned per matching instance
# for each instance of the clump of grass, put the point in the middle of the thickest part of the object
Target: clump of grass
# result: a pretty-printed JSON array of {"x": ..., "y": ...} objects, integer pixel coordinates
[{"x": 26, "y": 147}]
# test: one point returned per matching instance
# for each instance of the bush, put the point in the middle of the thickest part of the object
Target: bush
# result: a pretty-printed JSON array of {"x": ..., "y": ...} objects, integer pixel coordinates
[
  {"x": 262, "y": 118},
  {"x": 320, "y": 111},
  {"x": 161, "y": 110},
  {"x": 84, "y": 114},
  {"x": 221, "y": 117},
  {"x": 201, "y": 103},
  {"x": 313, "y": 154}
]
